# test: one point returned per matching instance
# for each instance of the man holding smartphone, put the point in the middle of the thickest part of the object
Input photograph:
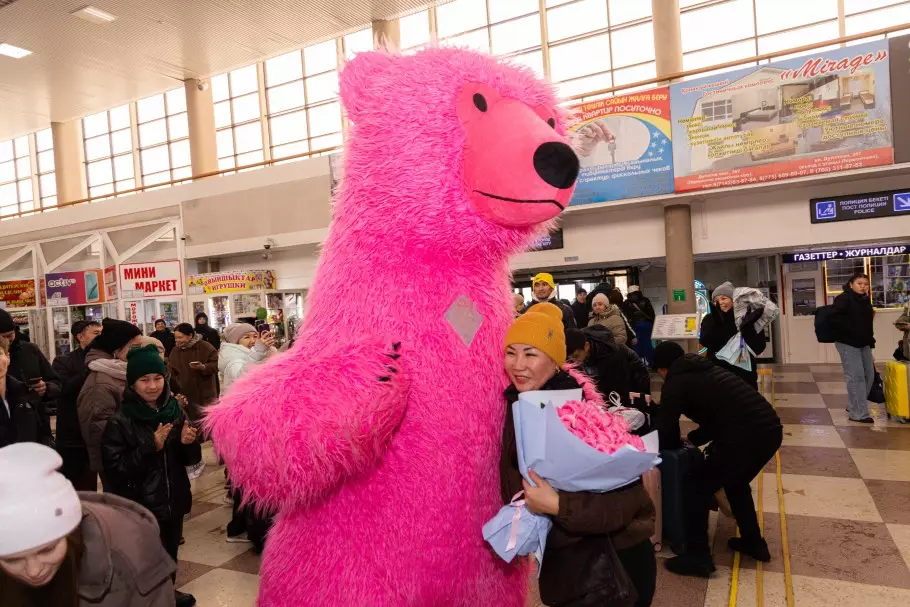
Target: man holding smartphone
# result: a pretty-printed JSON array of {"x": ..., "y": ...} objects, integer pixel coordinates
[{"x": 29, "y": 365}]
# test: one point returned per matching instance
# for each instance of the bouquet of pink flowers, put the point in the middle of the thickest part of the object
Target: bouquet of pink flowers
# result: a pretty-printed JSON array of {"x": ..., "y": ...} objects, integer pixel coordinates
[{"x": 600, "y": 429}]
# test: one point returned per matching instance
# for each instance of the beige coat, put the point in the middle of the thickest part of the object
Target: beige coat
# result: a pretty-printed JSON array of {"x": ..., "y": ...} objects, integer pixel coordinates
[
  {"x": 99, "y": 400},
  {"x": 611, "y": 319},
  {"x": 123, "y": 562}
]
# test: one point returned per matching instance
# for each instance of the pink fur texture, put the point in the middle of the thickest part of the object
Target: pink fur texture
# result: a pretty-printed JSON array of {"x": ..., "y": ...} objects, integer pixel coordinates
[{"x": 383, "y": 460}]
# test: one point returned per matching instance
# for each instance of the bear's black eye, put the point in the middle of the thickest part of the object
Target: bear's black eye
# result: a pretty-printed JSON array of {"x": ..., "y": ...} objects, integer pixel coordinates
[
  {"x": 551, "y": 122},
  {"x": 479, "y": 102}
]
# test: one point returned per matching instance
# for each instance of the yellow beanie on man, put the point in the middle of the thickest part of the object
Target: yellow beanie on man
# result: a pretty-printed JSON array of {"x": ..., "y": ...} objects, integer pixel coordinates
[{"x": 540, "y": 327}]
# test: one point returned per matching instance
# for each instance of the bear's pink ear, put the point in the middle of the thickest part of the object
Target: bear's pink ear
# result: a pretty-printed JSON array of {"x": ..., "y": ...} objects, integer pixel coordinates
[{"x": 358, "y": 83}]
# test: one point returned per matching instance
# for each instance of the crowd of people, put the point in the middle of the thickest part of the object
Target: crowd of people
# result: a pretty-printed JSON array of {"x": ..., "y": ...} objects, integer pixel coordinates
[
  {"x": 129, "y": 409},
  {"x": 128, "y": 412}
]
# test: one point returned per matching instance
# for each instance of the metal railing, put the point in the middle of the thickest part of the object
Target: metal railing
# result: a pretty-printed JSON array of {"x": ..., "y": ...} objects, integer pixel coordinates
[{"x": 666, "y": 78}]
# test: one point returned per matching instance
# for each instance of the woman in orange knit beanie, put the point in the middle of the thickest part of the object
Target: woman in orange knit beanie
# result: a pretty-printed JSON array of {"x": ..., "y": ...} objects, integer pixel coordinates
[{"x": 576, "y": 570}]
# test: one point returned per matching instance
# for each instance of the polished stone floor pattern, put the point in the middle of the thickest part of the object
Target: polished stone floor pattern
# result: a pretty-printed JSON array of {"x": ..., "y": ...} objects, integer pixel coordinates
[{"x": 846, "y": 490}]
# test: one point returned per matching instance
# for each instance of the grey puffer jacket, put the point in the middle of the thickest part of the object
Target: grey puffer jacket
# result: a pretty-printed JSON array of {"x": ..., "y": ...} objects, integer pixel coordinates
[
  {"x": 99, "y": 400},
  {"x": 123, "y": 562}
]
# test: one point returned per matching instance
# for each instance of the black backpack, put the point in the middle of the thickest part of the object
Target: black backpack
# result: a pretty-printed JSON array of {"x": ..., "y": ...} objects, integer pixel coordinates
[{"x": 824, "y": 328}]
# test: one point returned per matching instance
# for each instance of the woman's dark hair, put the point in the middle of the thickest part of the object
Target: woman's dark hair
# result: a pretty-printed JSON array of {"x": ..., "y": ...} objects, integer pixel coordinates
[
  {"x": 62, "y": 590},
  {"x": 185, "y": 328},
  {"x": 616, "y": 297},
  {"x": 856, "y": 276}
]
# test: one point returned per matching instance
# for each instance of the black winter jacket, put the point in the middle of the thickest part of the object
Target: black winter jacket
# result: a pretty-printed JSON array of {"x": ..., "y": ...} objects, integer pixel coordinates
[
  {"x": 136, "y": 471},
  {"x": 27, "y": 361},
  {"x": 726, "y": 410},
  {"x": 25, "y": 421},
  {"x": 210, "y": 335},
  {"x": 581, "y": 314},
  {"x": 167, "y": 340},
  {"x": 615, "y": 367},
  {"x": 568, "y": 315},
  {"x": 716, "y": 330},
  {"x": 70, "y": 369},
  {"x": 852, "y": 319},
  {"x": 638, "y": 308}
]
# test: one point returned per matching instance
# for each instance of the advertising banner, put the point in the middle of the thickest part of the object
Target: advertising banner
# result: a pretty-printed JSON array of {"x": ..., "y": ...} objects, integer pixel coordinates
[
  {"x": 899, "y": 49},
  {"x": 74, "y": 288},
  {"x": 820, "y": 113},
  {"x": 231, "y": 282},
  {"x": 624, "y": 146},
  {"x": 110, "y": 283},
  {"x": 153, "y": 279},
  {"x": 17, "y": 294}
]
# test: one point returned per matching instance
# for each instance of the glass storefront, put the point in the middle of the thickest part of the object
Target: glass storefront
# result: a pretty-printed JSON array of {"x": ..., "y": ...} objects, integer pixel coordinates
[{"x": 888, "y": 275}]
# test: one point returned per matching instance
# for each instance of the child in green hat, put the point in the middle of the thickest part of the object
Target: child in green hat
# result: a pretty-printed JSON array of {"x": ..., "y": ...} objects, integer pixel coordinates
[{"x": 146, "y": 446}]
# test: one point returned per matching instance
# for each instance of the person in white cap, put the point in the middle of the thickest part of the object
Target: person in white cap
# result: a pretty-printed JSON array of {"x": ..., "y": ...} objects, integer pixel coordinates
[
  {"x": 242, "y": 348},
  {"x": 61, "y": 548}
]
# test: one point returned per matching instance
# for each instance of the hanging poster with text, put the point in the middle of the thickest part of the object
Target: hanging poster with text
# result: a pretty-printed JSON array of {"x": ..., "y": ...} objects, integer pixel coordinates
[
  {"x": 74, "y": 288},
  {"x": 899, "y": 50},
  {"x": 624, "y": 147},
  {"x": 231, "y": 282},
  {"x": 153, "y": 279},
  {"x": 17, "y": 294},
  {"x": 820, "y": 113}
]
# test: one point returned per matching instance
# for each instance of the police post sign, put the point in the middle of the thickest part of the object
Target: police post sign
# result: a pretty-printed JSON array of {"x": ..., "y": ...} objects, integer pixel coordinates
[
  {"x": 154, "y": 279},
  {"x": 877, "y": 251},
  {"x": 890, "y": 203}
]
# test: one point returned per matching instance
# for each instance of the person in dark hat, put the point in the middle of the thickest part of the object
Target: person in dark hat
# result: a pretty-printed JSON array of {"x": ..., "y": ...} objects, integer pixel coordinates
[
  {"x": 744, "y": 432},
  {"x": 71, "y": 370},
  {"x": 206, "y": 331},
  {"x": 163, "y": 334},
  {"x": 29, "y": 366},
  {"x": 103, "y": 389}
]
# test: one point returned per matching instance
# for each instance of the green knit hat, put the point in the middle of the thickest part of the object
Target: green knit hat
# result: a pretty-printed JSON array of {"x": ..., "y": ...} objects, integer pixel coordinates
[{"x": 142, "y": 361}]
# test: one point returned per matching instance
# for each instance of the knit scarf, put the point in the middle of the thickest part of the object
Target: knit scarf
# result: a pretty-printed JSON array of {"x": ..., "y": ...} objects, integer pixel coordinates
[
  {"x": 140, "y": 412},
  {"x": 113, "y": 367},
  {"x": 192, "y": 342}
]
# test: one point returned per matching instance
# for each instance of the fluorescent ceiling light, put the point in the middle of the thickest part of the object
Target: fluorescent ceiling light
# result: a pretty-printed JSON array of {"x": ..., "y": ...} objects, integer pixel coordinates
[
  {"x": 13, "y": 51},
  {"x": 94, "y": 15}
]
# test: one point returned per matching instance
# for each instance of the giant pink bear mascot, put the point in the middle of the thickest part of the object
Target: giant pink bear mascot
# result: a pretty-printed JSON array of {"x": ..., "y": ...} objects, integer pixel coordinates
[{"x": 377, "y": 436}]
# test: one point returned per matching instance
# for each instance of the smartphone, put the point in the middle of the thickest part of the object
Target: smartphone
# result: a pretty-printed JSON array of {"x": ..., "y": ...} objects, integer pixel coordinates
[
  {"x": 33, "y": 381},
  {"x": 92, "y": 292}
]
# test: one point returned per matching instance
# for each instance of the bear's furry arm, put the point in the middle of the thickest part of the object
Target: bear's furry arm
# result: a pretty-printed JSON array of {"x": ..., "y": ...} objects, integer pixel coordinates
[{"x": 293, "y": 429}]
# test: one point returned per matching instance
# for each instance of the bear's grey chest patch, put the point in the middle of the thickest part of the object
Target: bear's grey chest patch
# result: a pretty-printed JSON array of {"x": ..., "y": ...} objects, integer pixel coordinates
[{"x": 464, "y": 318}]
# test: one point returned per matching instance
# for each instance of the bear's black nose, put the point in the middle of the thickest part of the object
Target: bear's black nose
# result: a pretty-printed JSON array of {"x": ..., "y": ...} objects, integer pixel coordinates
[{"x": 557, "y": 164}]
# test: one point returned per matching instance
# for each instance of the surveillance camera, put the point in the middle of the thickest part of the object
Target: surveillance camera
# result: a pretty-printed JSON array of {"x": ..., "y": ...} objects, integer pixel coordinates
[{"x": 202, "y": 85}]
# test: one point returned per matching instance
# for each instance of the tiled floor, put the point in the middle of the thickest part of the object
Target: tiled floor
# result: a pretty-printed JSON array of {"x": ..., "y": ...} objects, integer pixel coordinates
[{"x": 846, "y": 490}]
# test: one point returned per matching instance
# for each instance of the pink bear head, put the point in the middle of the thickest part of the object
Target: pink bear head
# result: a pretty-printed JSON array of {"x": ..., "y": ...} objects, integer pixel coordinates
[{"x": 452, "y": 149}]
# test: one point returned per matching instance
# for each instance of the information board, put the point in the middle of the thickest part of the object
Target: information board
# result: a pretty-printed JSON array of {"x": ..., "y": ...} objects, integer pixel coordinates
[
  {"x": 676, "y": 326},
  {"x": 855, "y": 253},
  {"x": 892, "y": 203}
]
